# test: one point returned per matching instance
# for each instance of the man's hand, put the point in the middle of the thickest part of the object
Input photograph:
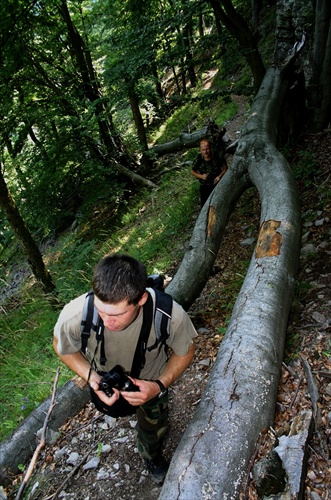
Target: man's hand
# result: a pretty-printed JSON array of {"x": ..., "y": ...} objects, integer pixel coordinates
[
  {"x": 109, "y": 400},
  {"x": 147, "y": 391}
]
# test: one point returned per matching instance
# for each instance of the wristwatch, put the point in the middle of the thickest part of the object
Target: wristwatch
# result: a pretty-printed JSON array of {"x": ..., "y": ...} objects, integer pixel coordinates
[{"x": 163, "y": 390}]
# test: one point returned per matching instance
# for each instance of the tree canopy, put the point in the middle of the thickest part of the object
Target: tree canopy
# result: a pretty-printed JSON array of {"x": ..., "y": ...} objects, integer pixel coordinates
[{"x": 72, "y": 70}]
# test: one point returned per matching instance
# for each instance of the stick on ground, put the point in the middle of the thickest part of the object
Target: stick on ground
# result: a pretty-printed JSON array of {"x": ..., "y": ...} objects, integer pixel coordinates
[{"x": 42, "y": 440}]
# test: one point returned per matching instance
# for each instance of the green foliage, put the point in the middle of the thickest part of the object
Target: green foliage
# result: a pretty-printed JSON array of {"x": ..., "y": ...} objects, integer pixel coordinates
[
  {"x": 194, "y": 115},
  {"x": 28, "y": 366},
  {"x": 292, "y": 346},
  {"x": 73, "y": 267},
  {"x": 304, "y": 167},
  {"x": 302, "y": 289},
  {"x": 167, "y": 214}
]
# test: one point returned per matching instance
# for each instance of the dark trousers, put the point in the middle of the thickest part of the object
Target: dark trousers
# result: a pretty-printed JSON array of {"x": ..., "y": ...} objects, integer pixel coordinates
[
  {"x": 205, "y": 191},
  {"x": 152, "y": 421},
  {"x": 151, "y": 428}
]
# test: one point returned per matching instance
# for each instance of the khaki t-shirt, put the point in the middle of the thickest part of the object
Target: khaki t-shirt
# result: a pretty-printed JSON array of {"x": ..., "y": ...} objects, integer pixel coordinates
[{"x": 120, "y": 345}]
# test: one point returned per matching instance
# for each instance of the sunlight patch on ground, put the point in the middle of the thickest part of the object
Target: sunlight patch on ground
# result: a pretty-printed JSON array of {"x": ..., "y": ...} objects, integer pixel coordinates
[{"x": 208, "y": 78}]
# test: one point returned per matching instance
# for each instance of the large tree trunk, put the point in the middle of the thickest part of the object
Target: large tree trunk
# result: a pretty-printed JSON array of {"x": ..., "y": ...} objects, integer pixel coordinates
[
  {"x": 22, "y": 233},
  {"x": 187, "y": 42},
  {"x": 239, "y": 400},
  {"x": 238, "y": 27},
  {"x": 321, "y": 76},
  {"x": 139, "y": 123},
  {"x": 183, "y": 141}
]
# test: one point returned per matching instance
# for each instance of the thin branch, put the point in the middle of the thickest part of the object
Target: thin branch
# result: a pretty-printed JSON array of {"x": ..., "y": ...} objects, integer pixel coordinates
[
  {"x": 290, "y": 370},
  {"x": 75, "y": 431},
  {"x": 42, "y": 440},
  {"x": 296, "y": 392},
  {"x": 312, "y": 387}
]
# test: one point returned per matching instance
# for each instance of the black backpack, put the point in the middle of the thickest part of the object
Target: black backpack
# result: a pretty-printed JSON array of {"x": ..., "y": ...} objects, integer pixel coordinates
[{"x": 91, "y": 321}]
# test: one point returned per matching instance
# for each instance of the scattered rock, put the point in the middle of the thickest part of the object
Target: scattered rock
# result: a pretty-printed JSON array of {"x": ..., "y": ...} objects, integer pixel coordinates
[
  {"x": 121, "y": 440},
  {"x": 92, "y": 464},
  {"x": 102, "y": 474},
  {"x": 73, "y": 458},
  {"x": 318, "y": 317},
  {"x": 105, "y": 448},
  {"x": 205, "y": 362},
  {"x": 307, "y": 249}
]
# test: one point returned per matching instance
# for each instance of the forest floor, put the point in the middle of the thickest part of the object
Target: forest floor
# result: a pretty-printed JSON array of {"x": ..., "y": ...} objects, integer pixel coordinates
[{"x": 65, "y": 470}]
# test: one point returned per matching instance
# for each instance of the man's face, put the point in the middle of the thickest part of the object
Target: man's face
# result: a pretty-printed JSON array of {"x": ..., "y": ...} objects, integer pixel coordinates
[
  {"x": 119, "y": 316},
  {"x": 205, "y": 150}
]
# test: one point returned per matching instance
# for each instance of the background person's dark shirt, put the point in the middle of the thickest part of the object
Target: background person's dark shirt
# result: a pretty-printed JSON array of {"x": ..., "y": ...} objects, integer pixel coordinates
[{"x": 212, "y": 167}]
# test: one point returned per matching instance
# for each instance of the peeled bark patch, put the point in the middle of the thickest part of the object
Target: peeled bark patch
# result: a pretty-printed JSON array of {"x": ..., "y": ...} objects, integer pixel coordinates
[
  {"x": 269, "y": 241},
  {"x": 211, "y": 220}
]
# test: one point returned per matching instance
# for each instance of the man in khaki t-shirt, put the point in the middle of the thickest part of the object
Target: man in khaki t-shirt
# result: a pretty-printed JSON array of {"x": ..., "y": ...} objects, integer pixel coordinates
[{"x": 119, "y": 296}]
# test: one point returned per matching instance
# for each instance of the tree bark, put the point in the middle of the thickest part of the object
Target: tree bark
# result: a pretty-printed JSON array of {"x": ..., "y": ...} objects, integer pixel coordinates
[
  {"x": 38, "y": 143},
  {"x": 321, "y": 66},
  {"x": 238, "y": 27},
  {"x": 187, "y": 141},
  {"x": 139, "y": 123},
  {"x": 239, "y": 399},
  {"x": 22, "y": 233},
  {"x": 183, "y": 141},
  {"x": 187, "y": 42},
  {"x": 256, "y": 10},
  {"x": 137, "y": 118}
]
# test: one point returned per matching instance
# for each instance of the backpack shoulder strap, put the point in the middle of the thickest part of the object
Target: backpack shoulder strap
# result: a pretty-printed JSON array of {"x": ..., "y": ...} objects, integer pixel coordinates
[
  {"x": 162, "y": 317},
  {"x": 91, "y": 321},
  {"x": 139, "y": 355},
  {"x": 87, "y": 322}
]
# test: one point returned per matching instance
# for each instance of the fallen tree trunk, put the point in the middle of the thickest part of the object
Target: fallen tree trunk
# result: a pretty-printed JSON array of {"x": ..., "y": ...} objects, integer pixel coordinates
[
  {"x": 239, "y": 400},
  {"x": 207, "y": 236},
  {"x": 182, "y": 142},
  {"x": 187, "y": 141},
  {"x": 20, "y": 446}
]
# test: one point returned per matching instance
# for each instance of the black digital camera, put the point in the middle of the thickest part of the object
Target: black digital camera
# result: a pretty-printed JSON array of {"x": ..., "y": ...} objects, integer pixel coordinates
[{"x": 117, "y": 378}]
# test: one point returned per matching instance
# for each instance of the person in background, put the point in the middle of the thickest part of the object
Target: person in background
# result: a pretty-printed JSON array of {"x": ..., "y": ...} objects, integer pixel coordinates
[
  {"x": 209, "y": 168},
  {"x": 120, "y": 293}
]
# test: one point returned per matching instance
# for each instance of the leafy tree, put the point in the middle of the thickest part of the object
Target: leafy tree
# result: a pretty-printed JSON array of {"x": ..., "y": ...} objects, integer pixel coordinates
[
  {"x": 226, "y": 14},
  {"x": 33, "y": 254}
]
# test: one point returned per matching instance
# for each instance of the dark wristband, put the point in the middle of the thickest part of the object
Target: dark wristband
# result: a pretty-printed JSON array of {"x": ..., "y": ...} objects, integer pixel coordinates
[{"x": 163, "y": 390}]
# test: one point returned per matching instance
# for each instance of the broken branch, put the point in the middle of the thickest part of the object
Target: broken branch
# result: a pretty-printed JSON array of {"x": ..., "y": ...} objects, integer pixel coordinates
[{"x": 42, "y": 440}]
